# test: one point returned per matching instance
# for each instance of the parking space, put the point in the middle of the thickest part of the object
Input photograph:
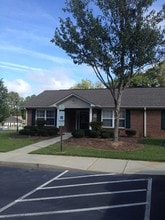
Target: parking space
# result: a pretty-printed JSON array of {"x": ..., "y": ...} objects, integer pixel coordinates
[{"x": 89, "y": 196}]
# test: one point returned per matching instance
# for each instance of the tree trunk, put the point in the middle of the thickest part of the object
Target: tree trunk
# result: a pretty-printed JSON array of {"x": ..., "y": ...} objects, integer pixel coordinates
[{"x": 117, "y": 115}]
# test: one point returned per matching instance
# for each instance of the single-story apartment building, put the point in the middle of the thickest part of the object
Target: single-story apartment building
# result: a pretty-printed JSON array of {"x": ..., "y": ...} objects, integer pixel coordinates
[{"x": 142, "y": 109}]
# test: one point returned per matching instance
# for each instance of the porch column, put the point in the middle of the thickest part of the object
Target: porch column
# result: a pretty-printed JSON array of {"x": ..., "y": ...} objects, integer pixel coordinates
[
  {"x": 57, "y": 121},
  {"x": 145, "y": 123},
  {"x": 90, "y": 117}
]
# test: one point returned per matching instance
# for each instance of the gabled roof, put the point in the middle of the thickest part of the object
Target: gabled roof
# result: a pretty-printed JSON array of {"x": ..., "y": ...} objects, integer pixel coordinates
[{"x": 132, "y": 97}]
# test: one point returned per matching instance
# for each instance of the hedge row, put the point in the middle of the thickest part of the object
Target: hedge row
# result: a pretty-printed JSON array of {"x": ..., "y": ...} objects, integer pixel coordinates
[
  {"x": 92, "y": 133},
  {"x": 100, "y": 133},
  {"x": 39, "y": 131}
]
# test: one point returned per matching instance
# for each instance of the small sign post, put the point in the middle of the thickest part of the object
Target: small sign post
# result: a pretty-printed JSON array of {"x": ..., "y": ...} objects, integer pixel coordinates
[{"x": 61, "y": 121}]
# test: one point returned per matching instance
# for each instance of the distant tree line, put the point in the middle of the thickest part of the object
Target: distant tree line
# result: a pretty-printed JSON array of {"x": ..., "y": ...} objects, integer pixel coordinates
[{"x": 11, "y": 103}]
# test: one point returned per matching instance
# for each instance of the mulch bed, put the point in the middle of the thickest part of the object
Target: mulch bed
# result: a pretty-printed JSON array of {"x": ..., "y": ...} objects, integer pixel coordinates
[{"x": 124, "y": 143}]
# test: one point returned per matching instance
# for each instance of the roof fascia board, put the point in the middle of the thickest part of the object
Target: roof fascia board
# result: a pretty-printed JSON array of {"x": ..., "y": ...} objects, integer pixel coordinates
[{"x": 72, "y": 94}]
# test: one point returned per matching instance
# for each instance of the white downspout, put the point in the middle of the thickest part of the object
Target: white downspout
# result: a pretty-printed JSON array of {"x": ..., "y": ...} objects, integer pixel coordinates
[
  {"x": 145, "y": 123},
  {"x": 90, "y": 117}
]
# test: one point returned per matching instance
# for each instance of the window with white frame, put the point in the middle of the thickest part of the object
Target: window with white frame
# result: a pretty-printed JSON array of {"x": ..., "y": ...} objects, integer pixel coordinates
[
  {"x": 108, "y": 118},
  {"x": 47, "y": 115},
  {"x": 122, "y": 119},
  {"x": 40, "y": 114},
  {"x": 50, "y": 117}
]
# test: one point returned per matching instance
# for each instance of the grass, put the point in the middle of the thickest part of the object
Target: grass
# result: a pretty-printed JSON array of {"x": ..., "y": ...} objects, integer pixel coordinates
[
  {"x": 152, "y": 151},
  {"x": 9, "y": 141}
]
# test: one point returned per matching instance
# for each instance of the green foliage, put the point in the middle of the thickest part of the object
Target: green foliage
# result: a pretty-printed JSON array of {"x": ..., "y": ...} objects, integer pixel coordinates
[
  {"x": 130, "y": 132},
  {"x": 153, "y": 77},
  {"x": 116, "y": 38},
  {"x": 4, "y": 110},
  {"x": 94, "y": 134},
  {"x": 96, "y": 125},
  {"x": 39, "y": 131},
  {"x": 107, "y": 134},
  {"x": 40, "y": 123},
  {"x": 78, "y": 133},
  {"x": 87, "y": 84}
]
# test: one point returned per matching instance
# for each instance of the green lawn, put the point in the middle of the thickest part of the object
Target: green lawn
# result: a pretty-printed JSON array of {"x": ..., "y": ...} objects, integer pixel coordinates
[
  {"x": 9, "y": 140},
  {"x": 152, "y": 151}
]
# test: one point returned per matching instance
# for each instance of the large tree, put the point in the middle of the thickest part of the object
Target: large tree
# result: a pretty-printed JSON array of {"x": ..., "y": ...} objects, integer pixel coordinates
[
  {"x": 115, "y": 37},
  {"x": 4, "y": 110},
  {"x": 88, "y": 84}
]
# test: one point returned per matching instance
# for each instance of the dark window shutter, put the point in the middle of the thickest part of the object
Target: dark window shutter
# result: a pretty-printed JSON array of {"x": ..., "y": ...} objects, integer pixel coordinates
[
  {"x": 33, "y": 116},
  {"x": 128, "y": 118},
  {"x": 163, "y": 119}
]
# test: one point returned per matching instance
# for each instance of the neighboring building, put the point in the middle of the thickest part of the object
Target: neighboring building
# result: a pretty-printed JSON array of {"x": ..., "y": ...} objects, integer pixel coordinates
[
  {"x": 12, "y": 121},
  {"x": 142, "y": 109}
]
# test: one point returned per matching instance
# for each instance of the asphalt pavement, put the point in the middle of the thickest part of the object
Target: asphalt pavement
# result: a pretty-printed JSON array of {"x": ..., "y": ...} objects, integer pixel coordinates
[{"x": 21, "y": 157}]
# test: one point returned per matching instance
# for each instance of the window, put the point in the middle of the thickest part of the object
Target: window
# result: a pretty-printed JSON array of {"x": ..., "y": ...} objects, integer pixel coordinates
[
  {"x": 48, "y": 115},
  {"x": 122, "y": 119},
  {"x": 40, "y": 114},
  {"x": 108, "y": 118}
]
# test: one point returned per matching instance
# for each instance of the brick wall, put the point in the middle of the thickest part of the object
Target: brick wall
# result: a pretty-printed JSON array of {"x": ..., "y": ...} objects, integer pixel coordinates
[
  {"x": 153, "y": 120},
  {"x": 154, "y": 124},
  {"x": 137, "y": 121}
]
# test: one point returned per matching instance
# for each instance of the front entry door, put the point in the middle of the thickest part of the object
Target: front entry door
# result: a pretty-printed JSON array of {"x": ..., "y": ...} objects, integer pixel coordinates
[{"x": 82, "y": 119}]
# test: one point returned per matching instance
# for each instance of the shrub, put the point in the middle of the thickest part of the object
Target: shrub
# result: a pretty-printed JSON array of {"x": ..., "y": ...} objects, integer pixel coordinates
[
  {"x": 40, "y": 123},
  {"x": 96, "y": 125},
  {"x": 130, "y": 132},
  {"x": 24, "y": 132},
  {"x": 52, "y": 130},
  {"x": 94, "y": 134},
  {"x": 42, "y": 132},
  {"x": 87, "y": 132},
  {"x": 107, "y": 134},
  {"x": 78, "y": 133}
]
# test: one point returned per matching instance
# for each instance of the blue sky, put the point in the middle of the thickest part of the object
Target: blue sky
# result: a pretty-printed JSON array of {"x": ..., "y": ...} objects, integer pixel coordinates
[{"x": 29, "y": 63}]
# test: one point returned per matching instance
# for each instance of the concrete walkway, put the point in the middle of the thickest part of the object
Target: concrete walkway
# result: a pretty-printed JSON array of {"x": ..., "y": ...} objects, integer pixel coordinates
[{"x": 21, "y": 157}]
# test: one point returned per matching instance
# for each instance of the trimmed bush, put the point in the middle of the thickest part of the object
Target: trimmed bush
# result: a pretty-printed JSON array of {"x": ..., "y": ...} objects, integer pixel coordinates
[
  {"x": 106, "y": 134},
  {"x": 94, "y": 134},
  {"x": 78, "y": 133},
  {"x": 40, "y": 123},
  {"x": 130, "y": 132},
  {"x": 96, "y": 125},
  {"x": 39, "y": 131}
]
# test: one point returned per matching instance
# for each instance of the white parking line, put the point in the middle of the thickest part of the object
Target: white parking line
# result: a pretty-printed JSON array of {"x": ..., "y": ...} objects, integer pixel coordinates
[
  {"x": 31, "y": 192},
  {"x": 82, "y": 195},
  {"x": 73, "y": 210},
  {"x": 148, "y": 200},
  {"x": 86, "y": 176},
  {"x": 95, "y": 183},
  {"x": 44, "y": 186}
]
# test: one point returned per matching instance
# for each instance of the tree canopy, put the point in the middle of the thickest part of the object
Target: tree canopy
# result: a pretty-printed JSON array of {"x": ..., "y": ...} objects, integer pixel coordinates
[
  {"x": 87, "y": 84},
  {"x": 4, "y": 111},
  {"x": 153, "y": 77},
  {"x": 116, "y": 38}
]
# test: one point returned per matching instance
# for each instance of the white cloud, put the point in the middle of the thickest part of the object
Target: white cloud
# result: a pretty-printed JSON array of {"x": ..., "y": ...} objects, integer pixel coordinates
[
  {"x": 20, "y": 86},
  {"x": 58, "y": 78},
  {"x": 34, "y": 54}
]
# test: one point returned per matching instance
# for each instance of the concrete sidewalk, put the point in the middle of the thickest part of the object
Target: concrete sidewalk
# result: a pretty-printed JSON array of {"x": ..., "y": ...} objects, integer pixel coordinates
[{"x": 21, "y": 157}]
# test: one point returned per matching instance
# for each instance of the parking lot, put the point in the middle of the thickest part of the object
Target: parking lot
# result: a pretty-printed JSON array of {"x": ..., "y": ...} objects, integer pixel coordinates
[{"x": 70, "y": 195}]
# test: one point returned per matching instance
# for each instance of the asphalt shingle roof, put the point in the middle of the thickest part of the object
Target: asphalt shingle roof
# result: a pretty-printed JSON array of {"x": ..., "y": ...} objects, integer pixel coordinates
[{"x": 132, "y": 97}]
